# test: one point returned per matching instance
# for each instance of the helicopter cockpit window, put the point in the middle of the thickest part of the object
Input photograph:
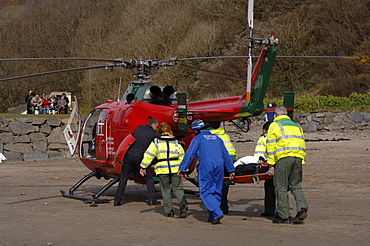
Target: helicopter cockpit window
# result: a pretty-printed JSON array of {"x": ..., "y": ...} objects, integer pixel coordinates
[
  {"x": 147, "y": 94},
  {"x": 100, "y": 128},
  {"x": 89, "y": 133}
]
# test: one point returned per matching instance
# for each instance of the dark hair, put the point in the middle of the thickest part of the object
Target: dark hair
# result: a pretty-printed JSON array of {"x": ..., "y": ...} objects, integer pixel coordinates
[
  {"x": 214, "y": 124},
  {"x": 152, "y": 120},
  {"x": 266, "y": 126}
]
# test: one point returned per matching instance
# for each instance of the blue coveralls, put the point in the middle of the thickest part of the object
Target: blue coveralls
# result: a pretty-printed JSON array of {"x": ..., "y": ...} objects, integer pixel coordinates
[{"x": 212, "y": 157}]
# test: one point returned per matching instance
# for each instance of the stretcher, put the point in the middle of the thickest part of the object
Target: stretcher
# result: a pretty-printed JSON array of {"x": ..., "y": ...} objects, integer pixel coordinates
[
  {"x": 246, "y": 179},
  {"x": 250, "y": 175},
  {"x": 251, "y": 178}
]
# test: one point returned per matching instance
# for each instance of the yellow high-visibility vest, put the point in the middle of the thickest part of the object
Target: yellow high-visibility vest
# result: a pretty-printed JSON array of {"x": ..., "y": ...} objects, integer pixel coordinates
[
  {"x": 220, "y": 132},
  {"x": 284, "y": 139},
  {"x": 260, "y": 149},
  {"x": 168, "y": 152}
]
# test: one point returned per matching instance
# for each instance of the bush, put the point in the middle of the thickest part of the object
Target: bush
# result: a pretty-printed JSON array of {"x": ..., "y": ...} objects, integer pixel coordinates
[{"x": 309, "y": 103}]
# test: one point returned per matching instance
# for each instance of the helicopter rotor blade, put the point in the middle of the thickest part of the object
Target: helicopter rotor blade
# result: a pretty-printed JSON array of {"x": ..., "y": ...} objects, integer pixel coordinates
[
  {"x": 140, "y": 63},
  {"x": 208, "y": 71},
  {"x": 202, "y": 58},
  {"x": 344, "y": 57},
  {"x": 62, "y": 58},
  {"x": 60, "y": 71}
]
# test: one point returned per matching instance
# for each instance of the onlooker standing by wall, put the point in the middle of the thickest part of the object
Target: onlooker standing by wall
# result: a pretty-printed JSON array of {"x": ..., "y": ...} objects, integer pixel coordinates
[
  {"x": 45, "y": 105},
  {"x": 28, "y": 99},
  {"x": 36, "y": 103},
  {"x": 270, "y": 112}
]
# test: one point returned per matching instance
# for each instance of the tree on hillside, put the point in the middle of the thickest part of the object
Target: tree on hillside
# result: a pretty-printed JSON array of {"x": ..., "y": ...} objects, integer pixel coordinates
[{"x": 161, "y": 29}]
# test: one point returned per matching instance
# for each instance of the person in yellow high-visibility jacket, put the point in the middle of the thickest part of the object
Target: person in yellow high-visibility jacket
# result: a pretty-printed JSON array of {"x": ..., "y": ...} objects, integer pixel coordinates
[
  {"x": 214, "y": 128},
  {"x": 286, "y": 149},
  {"x": 169, "y": 154},
  {"x": 260, "y": 150}
]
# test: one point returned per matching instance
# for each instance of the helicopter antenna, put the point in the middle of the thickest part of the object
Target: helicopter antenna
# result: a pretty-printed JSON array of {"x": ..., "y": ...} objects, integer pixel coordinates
[{"x": 249, "y": 68}]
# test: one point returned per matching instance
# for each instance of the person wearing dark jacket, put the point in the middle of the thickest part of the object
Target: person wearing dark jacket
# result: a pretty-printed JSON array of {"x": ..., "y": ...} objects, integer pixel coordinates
[
  {"x": 144, "y": 135},
  {"x": 28, "y": 99}
]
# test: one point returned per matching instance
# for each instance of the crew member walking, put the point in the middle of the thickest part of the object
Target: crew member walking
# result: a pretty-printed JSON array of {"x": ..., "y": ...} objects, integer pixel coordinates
[
  {"x": 212, "y": 157},
  {"x": 286, "y": 150},
  {"x": 169, "y": 154},
  {"x": 270, "y": 198},
  {"x": 214, "y": 128}
]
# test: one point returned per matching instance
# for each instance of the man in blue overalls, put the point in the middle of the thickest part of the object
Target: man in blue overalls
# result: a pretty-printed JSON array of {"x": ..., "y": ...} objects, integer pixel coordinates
[{"x": 212, "y": 158}]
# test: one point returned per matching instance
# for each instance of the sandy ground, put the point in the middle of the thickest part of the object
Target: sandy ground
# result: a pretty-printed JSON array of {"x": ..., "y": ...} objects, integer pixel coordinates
[{"x": 32, "y": 211}]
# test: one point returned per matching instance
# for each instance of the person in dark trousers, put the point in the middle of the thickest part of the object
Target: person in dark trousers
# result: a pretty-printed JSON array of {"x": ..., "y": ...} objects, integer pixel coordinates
[
  {"x": 260, "y": 150},
  {"x": 212, "y": 157},
  {"x": 214, "y": 128},
  {"x": 270, "y": 112},
  {"x": 144, "y": 135},
  {"x": 286, "y": 149},
  {"x": 28, "y": 99}
]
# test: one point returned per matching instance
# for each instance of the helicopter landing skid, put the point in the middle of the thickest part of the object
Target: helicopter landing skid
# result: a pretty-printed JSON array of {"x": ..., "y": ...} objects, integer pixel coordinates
[
  {"x": 95, "y": 197},
  {"x": 84, "y": 198}
]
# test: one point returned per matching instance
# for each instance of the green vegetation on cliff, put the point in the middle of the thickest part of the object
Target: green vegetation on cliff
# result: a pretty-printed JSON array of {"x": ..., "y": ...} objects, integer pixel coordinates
[{"x": 182, "y": 28}]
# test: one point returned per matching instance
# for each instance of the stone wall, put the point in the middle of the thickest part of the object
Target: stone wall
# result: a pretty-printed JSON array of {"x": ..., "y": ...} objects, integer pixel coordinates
[
  {"x": 32, "y": 139},
  {"x": 312, "y": 122}
]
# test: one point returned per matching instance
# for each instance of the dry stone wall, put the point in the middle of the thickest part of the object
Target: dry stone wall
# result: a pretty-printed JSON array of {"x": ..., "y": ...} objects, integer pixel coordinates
[
  {"x": 32, "y": 139},
  {"x": 327, "y": 121}
]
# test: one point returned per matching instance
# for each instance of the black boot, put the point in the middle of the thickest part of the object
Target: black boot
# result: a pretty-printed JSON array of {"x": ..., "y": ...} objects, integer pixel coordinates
[
  {"x": 281, "y": 221},
  {"x": 301, "y": 215},
  {"x": 171, "y": 214},
  {"x": 154, "y": 202}
]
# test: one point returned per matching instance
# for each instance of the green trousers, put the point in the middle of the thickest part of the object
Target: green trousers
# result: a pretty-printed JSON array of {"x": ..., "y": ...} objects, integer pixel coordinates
[
  {"x": 174, "y": 182},
  {"x": 288, "y": 177}
]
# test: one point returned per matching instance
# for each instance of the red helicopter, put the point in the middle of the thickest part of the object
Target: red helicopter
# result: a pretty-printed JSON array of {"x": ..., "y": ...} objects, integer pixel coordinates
[{"x": 102, "y": 139}]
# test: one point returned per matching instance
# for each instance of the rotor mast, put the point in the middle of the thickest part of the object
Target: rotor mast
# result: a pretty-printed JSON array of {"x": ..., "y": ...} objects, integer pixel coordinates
[{"x": 250, "y": 46}]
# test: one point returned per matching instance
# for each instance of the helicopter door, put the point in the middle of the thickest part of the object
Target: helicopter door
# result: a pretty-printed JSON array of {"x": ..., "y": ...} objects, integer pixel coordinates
[
  {"x": 101, "y": 135},
  {"x": 72, "y": 129},
  {"x": 110, "y": 137}
]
